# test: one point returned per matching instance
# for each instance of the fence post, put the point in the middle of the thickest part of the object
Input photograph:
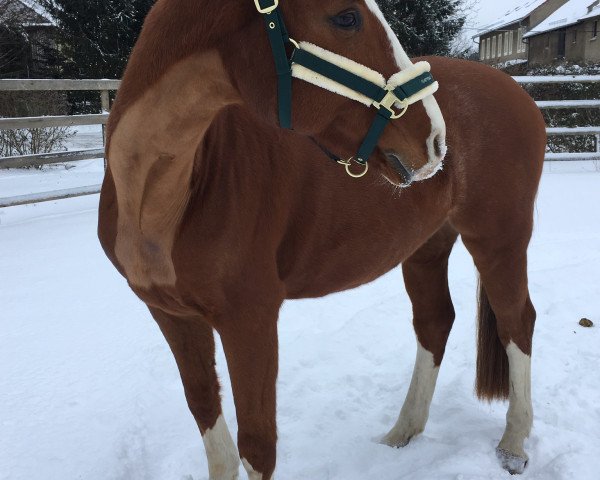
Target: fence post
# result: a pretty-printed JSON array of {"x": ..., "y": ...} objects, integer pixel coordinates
[{"x": 105, "y": 102}]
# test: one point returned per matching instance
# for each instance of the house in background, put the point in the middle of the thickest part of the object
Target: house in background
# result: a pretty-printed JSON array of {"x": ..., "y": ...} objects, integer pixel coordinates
[
  {"x": 502, "y": 41},
  {"x": 26, "y": 33},
  {"x": 570, "y": 33}
]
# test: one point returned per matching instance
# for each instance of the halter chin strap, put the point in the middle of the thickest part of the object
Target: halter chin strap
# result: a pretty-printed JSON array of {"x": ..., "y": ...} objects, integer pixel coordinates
[{"x": 344, "y": 77}]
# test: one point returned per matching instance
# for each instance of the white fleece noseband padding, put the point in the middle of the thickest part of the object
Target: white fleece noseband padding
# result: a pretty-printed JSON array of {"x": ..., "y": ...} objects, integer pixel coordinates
[
  {"x": 404, "y": 76},
  {"x": 319, "y": 80},
  {"x": 303, "y": 73}
]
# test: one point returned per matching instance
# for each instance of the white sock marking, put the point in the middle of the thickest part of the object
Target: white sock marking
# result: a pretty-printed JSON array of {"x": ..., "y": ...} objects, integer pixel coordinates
[
  {"x": 415, "y": 411},
  {"x": 520, "y": 411},
  {"x": 222, "y": 454}
]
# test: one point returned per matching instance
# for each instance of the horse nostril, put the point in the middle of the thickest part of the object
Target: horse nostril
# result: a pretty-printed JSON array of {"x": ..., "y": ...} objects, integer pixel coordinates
[
  {"x": 438, "y": 146},
  {"x": 405, "y": 173}
]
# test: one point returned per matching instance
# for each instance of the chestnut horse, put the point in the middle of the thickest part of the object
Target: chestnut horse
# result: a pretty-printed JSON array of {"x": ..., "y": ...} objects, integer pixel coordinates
[{"x": 215, "y": 215}]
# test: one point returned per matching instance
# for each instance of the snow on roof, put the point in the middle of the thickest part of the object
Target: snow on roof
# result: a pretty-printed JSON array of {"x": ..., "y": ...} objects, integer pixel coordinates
[
  {"x": 37, "y": 8},
  {"x": 512, "y": 16},
  {"x": 594, "y": 12},
  {"x": 29, "y": 12},
  {"x": 570, "y": 13}
]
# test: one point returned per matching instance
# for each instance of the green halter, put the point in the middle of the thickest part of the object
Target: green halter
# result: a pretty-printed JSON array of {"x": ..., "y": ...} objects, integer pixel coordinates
[{"x": 384, "y": 99}]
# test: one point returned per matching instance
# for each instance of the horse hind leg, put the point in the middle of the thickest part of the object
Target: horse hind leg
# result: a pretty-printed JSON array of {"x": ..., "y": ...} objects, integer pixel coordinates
[
  {"x": 426, "y": 280},
  {"x": 506, "y": 322},
  {"x": 192, "y": 343}
]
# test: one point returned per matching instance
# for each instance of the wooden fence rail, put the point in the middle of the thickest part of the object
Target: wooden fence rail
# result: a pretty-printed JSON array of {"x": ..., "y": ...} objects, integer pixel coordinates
[
  {"x": 59, "y": 85},
  {"x": 50, "y": 158},
  {"x": 104, "y": 87},
  {"x": 55, "y": 121}
]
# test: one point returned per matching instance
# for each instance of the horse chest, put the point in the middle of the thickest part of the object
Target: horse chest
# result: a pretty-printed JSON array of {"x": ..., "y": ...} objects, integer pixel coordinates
[{"x": 152, "y": 154}]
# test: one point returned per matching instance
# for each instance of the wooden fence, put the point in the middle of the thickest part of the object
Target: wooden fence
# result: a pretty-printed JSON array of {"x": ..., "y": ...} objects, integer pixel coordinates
[
  {"x": 104, "y": 87},
  {"x": 566, "y": 104}
]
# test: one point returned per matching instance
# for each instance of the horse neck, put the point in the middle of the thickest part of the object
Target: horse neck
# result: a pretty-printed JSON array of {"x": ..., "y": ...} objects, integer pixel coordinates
[
  {"x": 239, "y": 147},
  {"x": 173, "y": 31}
]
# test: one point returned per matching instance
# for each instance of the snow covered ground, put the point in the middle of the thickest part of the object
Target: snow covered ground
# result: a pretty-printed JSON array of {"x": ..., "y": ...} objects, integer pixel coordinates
[
  {"x": 89, "y": 389},
  {"x": 58, "y": 177}
]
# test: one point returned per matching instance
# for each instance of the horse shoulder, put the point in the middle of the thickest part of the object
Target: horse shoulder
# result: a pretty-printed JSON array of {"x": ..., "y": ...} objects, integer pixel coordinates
[{"x": 152, "y": 151}]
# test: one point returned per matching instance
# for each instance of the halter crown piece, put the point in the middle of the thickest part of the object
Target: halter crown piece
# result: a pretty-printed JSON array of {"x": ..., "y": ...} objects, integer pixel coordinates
[{"x": 345, "y": 77}]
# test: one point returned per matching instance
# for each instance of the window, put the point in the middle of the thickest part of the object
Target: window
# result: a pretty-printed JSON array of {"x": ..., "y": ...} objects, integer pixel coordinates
[
  {"x": 574, "y": 36},
  {"x": 521, "y": 45},
  {"x": 595, "y": 30}
]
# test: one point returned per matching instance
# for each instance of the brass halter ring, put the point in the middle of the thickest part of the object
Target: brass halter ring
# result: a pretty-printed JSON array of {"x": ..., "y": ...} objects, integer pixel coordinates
[{"x": 348, "y": 165}]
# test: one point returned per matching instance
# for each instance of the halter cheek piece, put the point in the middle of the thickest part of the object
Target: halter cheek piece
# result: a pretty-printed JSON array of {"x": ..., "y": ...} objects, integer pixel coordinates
[{"x": 345, "y": 77}]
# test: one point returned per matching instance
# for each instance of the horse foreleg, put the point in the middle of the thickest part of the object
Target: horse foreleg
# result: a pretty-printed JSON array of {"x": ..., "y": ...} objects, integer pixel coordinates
[
  {"x": 426, "y": 280},
  {"x": 249, "y": 339},
  {"x": 192, "y": 343}
]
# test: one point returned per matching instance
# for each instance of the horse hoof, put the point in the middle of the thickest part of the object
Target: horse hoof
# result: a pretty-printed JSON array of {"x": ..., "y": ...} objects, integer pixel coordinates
[
  {"x": 513, "y": 463},
  {"x": 396, "y": 440}
]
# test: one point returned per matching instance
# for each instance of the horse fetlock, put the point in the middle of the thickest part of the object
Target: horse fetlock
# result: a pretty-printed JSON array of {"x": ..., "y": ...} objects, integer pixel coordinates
[{"x": 225, "y": 475}]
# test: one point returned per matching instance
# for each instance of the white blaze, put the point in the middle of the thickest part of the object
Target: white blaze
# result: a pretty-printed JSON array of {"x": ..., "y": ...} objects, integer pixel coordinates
[{"x": 438, "y": 125}]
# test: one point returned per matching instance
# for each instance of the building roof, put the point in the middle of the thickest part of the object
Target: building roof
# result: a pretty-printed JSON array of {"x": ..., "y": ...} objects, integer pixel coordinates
[
  {"x": 572, "y": 12},
  {"x": 512, "y": 16},
  {"x": 28, "y": 12},
  {"x": 593, "y": 12}
]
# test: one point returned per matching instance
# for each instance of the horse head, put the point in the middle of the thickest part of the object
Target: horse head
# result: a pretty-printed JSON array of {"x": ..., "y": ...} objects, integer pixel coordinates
[{"x": 355, "y": 36}]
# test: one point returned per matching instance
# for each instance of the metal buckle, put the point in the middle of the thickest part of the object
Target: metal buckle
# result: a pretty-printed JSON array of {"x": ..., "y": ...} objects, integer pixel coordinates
[
  {"x": 388, "y": 103},
  {"x": 267, "y": 10},
  {"x": 348, "y": 165}
]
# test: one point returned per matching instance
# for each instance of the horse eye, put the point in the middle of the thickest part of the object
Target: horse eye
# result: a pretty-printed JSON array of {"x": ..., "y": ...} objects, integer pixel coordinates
[{"x": 348, "y": 20}]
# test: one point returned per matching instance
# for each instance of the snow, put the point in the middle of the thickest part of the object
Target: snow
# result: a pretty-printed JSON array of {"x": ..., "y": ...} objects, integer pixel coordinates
[
  {"x": 594, "y": 12},
  {"x": 556, "y": 79},
  {"x": 51, "y": 178},
  {"x": 89, "y": 389},
  {"x": 570, "y": 13},
  {"x": 512, "y": 16},
  {"x": 37, "y": 8}
]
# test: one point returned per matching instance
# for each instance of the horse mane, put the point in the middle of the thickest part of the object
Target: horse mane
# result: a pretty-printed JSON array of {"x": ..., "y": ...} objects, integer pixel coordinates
[{"x": 172, "y": 31}]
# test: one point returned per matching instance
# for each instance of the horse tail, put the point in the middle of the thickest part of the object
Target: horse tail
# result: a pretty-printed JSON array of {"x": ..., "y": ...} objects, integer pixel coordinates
[{"x": 492, "y": 361}]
